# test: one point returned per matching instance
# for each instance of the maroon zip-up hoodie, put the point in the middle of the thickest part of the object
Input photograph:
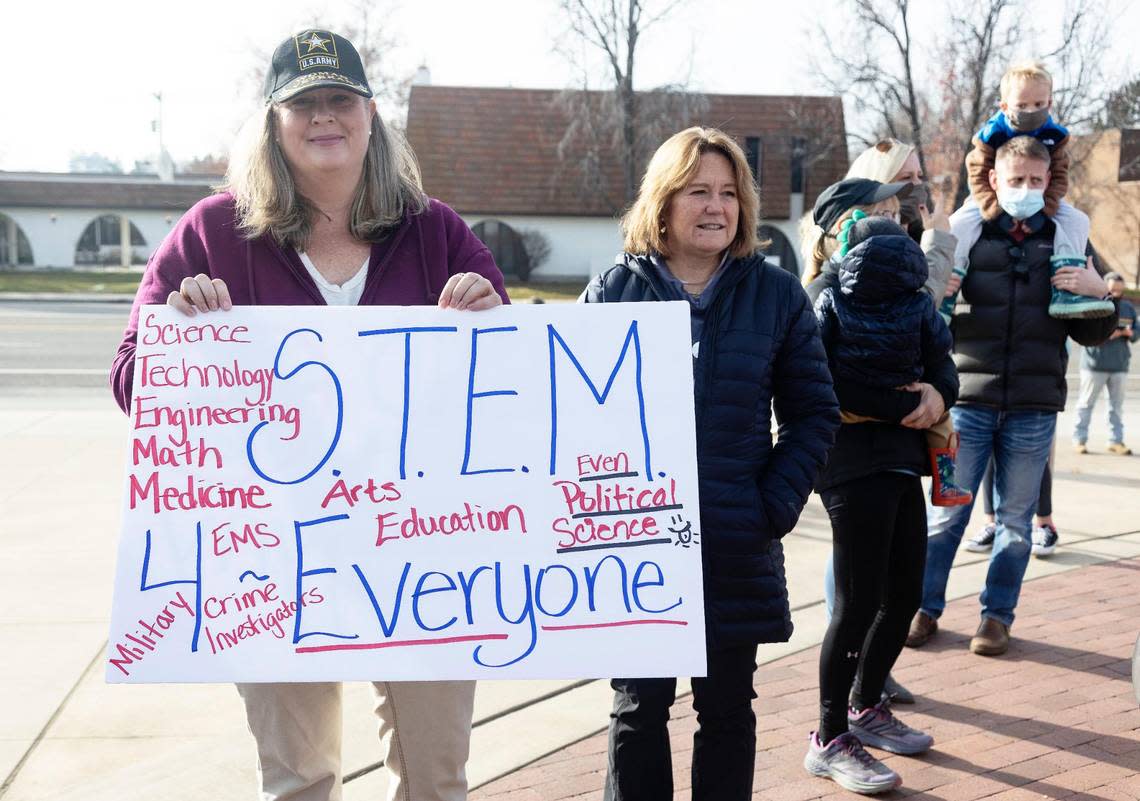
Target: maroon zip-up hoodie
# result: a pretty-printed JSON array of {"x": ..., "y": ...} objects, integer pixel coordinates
[{"x": 408, "y": 268}]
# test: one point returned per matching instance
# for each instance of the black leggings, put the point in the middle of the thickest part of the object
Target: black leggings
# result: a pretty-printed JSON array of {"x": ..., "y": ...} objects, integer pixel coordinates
[
  {"x": 1044, "y": 501},
  {"x": 878, "y": 530}
]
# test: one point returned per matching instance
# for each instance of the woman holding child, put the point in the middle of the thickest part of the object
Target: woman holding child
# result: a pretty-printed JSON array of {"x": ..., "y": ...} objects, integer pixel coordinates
[
  {"x": 925, "y": 219},
  {"x": 888, "y": 351}
]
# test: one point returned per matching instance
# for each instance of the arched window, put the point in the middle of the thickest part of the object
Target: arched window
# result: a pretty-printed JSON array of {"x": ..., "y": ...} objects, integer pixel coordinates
[
  {"x": 15, "y": 249},
  {"x": 99, "y": 243},
  {"x": 779, "y": 251},
  {"x": 506, "y": 246}
]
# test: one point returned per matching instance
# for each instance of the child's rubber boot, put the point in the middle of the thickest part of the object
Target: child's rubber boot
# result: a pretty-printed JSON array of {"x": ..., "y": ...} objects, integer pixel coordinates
[
  {"x": 946, "y": 307},
  {"x": 944, "y": 491},
  {"x": 1066, "y": 305}
]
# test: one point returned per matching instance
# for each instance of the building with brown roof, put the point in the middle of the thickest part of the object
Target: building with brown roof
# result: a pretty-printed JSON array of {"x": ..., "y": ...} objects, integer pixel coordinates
[
  {"x": 501, "y": 158},
  {"x": 1105, "y": 184}
]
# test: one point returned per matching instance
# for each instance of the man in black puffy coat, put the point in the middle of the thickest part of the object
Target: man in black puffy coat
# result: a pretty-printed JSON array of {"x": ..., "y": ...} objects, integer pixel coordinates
[{"x": 1011, "y": 360}]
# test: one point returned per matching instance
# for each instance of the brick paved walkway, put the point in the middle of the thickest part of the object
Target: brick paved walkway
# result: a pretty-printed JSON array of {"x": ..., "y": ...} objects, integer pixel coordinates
[{"x": 1053, "y": 718}]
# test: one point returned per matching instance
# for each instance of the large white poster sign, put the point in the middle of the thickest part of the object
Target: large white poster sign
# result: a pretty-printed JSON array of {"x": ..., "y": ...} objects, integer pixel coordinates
[{"x": 409, "y": 493}]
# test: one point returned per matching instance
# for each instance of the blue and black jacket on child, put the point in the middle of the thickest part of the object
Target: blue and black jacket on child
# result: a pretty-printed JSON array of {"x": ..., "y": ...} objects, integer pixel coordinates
[
  {"x": 879, "y": 328},
  {"x": 997, "y": 130}
]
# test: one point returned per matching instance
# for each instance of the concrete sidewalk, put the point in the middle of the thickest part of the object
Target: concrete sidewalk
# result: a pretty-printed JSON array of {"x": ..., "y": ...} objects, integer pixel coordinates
[
  {"x": 65, "y": 734},
  {"x": 1055, "y": 717}
]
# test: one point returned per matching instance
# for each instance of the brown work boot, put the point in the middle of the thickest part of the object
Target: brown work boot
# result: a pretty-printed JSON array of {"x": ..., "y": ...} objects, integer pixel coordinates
[
  {"x": 922, "y": 628},
  {"x": 992, "y": 638},
  {"x": 1120, "y": 449}
]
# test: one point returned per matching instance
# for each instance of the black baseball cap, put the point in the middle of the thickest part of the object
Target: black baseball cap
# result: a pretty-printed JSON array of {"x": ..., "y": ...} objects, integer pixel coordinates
[
  {"x": 834, "y": 201},
  {"x": 311, "y": 59}
]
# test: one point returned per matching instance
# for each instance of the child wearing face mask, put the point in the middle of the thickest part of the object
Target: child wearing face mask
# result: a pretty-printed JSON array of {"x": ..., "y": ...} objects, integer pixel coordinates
[{"x": 1026, "y": 98}]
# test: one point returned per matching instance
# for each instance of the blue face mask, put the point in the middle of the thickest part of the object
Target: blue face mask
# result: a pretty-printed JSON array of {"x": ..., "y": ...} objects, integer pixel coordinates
[{"x": 1021, "y": 202}]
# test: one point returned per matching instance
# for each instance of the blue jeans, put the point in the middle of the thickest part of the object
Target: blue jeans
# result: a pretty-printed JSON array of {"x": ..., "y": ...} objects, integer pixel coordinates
[
  {"x": 1019, "y": 443},
  {"x": 1092, "y": 382}
]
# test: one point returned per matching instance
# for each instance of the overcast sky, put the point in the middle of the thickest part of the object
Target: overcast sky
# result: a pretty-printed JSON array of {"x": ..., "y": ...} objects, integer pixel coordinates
[{"x": 81, "y": 78}]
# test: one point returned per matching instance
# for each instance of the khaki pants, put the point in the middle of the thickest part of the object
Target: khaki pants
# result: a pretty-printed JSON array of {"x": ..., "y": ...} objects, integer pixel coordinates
[
  {"x": 424, "y": 727},
  {"x": 937, "y": 436}
]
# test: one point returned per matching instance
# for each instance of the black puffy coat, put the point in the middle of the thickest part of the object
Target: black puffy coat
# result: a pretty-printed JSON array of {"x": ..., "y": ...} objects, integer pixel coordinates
[
  {"x": 1010, "y": 353},
  {"x": 759, "y": 350},
  {"x": 880, "y": 329},
  {"x": 865, "y": 449}
]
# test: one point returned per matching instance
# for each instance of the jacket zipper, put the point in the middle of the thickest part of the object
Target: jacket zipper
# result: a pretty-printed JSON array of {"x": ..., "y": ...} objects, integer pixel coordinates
[
  {"x": 381, "y": 266},
  {"x": 302, "y": 276},
  {"x": 1008, "y": 342},
  {"x": 709, "y": 332}
]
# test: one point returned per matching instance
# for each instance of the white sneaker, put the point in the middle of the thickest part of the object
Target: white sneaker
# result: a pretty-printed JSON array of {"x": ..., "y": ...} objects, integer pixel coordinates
[{"x": 1044, "y": 540}]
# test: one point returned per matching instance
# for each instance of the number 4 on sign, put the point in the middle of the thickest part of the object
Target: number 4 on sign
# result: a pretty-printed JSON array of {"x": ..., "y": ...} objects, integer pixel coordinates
[{"x": 196, "y": 581}]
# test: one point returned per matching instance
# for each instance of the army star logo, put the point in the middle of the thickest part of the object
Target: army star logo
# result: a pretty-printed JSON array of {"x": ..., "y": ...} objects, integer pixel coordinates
[
  {"x": 315, "y": 42},
  {"x": 319, "y": 53}
]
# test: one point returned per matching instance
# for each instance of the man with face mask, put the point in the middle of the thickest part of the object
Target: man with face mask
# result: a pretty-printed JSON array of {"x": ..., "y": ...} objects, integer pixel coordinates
[
  {"x": 1026, "y": 99},
  {"x": 1011, "y": 360}
]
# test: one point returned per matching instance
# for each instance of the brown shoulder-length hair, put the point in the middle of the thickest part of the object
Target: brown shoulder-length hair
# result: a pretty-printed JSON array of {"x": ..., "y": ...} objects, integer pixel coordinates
[
  {"x": 670, "y": 170},
  {"x": 268, "y": 201}
]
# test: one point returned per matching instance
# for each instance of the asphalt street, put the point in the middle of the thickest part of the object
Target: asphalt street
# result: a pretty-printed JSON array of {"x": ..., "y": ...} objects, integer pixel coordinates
[
  {"x": 65, "y": 346},
  {"x": 70, "y": 346}
]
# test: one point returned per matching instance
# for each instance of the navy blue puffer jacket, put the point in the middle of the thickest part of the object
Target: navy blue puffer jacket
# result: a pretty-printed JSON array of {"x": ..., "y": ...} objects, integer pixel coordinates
[
  {"x": 759, "y": 350},
  {"x": 880, "y": 329}
]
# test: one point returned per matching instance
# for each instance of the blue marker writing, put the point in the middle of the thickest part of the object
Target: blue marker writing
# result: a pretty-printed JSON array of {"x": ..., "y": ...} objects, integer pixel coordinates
[{"x": 339, "y": 410}]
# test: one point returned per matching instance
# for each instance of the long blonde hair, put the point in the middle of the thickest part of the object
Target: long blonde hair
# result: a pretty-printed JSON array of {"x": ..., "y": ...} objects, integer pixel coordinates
[
  {"x": 669, "y": 171},
  {"x": 268, "y": 201},
  {"x": 820, "y": 245}
]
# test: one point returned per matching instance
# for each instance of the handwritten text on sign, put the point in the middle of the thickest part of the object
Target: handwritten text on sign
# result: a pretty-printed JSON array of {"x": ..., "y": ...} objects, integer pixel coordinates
[{"x": 408, "y": 493}]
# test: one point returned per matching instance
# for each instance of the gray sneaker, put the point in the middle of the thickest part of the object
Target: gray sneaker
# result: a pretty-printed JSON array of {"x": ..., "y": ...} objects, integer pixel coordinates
[
  {"x": 876, "y": 727},
  {"x": 895, "y": 692},
  {"x": 845, "y": 761}
]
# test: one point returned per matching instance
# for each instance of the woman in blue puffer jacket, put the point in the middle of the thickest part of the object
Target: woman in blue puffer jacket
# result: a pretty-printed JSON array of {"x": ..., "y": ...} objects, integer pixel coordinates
[{"x": 691, "y": 235}]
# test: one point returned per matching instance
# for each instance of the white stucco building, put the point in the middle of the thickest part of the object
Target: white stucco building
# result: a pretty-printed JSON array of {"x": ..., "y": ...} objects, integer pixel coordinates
[{"x": 84, "y": 219}]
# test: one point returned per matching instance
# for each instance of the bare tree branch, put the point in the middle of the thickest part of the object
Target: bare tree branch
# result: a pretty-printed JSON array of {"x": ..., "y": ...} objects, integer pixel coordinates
[
  {"x": 1079, "y": 95},
  {"x": 883, "y": 89},
  {"x": 625, "y": 121},
  {"x": 982, "y": 35}
]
